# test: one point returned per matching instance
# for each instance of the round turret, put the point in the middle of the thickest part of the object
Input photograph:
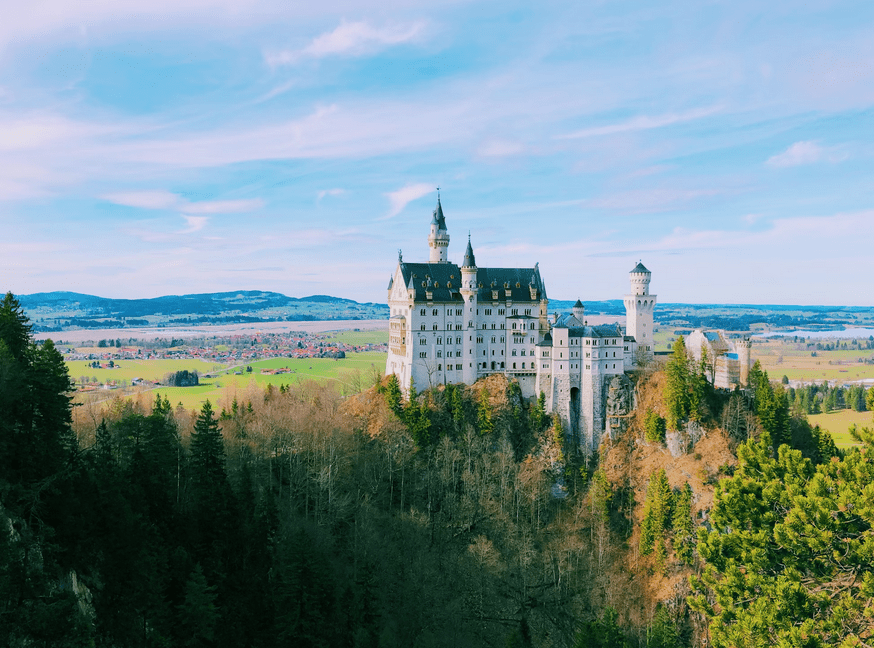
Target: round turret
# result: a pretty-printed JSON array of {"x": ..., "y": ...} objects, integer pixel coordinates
[
  {"x": 640, "y": 278},
  {"x": 438, "y": 239},
  {"x": 579, "y": 310}
]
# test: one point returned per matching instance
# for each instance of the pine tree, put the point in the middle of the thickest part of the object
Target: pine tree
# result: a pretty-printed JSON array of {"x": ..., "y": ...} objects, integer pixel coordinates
[
  {"x": 484, "y": 413},
  {"x": 684, "y": 531},
  {"x": 198, "y": 615},
  {"x": 677, "y": 398},
  {"x": 657, "y": 517},
  {"x": 393, "y": 396}
]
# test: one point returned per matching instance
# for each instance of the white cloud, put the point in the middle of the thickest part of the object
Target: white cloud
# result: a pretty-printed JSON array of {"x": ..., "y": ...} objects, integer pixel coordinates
[
  {"x": 798, "y": 154},
  {"x": 144, "y": 199},
  {"x": 167, "y": 200},
  {"x": 222, "y": 206},
  {"x": 350, "y": 39},
  {"x": 195, "y": 224},
  {"x": 331, "y": 192},
  {"x": 500, "y": 148},
  {"x": 643, "y": 122},
  {"x": 405, "y": 195}
]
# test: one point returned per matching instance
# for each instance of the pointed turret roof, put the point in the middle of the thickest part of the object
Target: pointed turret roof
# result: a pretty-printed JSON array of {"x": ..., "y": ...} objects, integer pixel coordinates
[
  {"x": 438, "y": 215},
  {"x": 579, "y": 304},
  {"x": 469, "y": 261},
  {"x": 640, "y": 268}
]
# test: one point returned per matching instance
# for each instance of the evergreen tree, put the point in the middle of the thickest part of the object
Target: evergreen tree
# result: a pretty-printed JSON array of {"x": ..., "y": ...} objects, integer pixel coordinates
[
  {"x": 663, "y": 631},
  {"x": 677, "y": 389},
  {"x": 484, "y": 413},
  {"x": 654, "y": 427},
  {"x": 602, "y": 633},
  {"x": 684, "y": 530},
  {"x": 198, "y": 615},
  {"x": 657, "y": 517},
  {"x": 393, "y": 396}
]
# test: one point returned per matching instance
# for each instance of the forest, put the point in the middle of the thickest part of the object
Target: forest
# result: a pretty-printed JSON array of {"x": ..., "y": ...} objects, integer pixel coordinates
[{"x": 454, "y": 516}]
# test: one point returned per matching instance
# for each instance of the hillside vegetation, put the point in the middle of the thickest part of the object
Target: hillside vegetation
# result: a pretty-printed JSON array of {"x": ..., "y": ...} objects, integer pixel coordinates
[{"x": 459, "y": 516}]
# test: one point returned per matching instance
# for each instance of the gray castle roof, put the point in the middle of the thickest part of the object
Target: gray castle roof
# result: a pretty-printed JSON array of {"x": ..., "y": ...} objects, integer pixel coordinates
[
  {"x": 446, "y": 282},
  {"x": 579, "y": 304},
  {"x": 576, "y": 328},
  {"x": 469, "y": 260},
  {"x": 438, "y": 215},
  {"x": 640, "y": 268}
]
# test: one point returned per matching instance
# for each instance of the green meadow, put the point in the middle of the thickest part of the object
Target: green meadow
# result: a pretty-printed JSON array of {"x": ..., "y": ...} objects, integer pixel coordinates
[
  {"x": 838, "y": 422},
  {"x": 351, "y": 373}
]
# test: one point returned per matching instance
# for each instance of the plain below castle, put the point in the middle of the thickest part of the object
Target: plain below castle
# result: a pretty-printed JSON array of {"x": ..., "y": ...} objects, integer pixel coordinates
[{"x": 456, "y": 324}]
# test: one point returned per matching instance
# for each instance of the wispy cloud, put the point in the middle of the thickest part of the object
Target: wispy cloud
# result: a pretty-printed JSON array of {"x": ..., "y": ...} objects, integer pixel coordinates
[
  {"x": 804, "y": 153},
  {"x": 195, "y": 224},
  {"x": 405, "y": 195},
  {"x": 643, "y": 122},
  {"x": 166, "y": 200},
  {"x": 330, "y": 192},
  {"x": 349, "y": 39}
]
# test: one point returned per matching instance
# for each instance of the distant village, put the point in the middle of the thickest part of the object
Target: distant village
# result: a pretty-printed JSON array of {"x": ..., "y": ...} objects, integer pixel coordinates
[{"x": 228, "y": 351}]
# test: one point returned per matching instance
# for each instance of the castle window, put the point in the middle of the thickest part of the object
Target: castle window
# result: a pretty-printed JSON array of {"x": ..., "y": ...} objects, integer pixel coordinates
[
  {"x": 423, "y": 354},
  {"x": 532, "y": 326},
  {"x": 527, "y": 311},
  {"x": 523, "y": 352},
  {"x": 514, "y": 365},
  {"x": 587, "y": 366},
  {"x": 422, "y": 341},
  {"x": 434, "y": 312},
  {"x": 532, "y": 340},
  {"x": 502, "y": 326},
  {"x": 502, "y": 338},
  {"x": 458, "y": 367},
  {"x": 422, "y": 312},
  {"x": 439, "y": 340},
  {"x": 493, "y": 339},
  {"x": 458, "y": 311},
  {"x": 439, "y": 367},
  {"x": 514, "y": 352},
  {"x": 458, "y": 340},
  {"x": 515, "y": 311},
  {"x": 479, "y": 340},
  {"x": 439, "y": 354},
  {"x": 423, "y": 327},
  {"x": 500, "y": 311},
  {"x": 484, "y": 326},
  {"x": 502, "y": 365},
  {"x": 523, "y": 365},
  {"x": 488, "y": 311},
  {"x": 484, "y": 351}
]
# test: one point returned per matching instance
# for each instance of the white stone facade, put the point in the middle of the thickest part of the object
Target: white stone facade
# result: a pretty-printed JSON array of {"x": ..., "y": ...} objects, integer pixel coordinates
[
  {"x": 456, "y": 324},
  {"x": 728, "y": 362}
]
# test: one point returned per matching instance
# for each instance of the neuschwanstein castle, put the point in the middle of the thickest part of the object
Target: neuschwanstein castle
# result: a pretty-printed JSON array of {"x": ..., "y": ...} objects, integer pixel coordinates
[{"x": 452, "y": 324}]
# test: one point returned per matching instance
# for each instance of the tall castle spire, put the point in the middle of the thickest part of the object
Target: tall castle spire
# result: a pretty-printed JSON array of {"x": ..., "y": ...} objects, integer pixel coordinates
[{"x": 438, "y": 239}]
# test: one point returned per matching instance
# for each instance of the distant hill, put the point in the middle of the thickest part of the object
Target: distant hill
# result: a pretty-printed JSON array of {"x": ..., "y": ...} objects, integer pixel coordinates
[{"x": 58, "y": 311}]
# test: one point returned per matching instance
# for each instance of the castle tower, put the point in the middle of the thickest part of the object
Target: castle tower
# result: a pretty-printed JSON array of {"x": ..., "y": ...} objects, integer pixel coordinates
[
  {"x": 579, "y": 311},
  {"x": 743, "y": 355},
  {"x": 469, "y": 290},
  {"x": 438, "y": 239},
  {"x": 639, "y": 307}
]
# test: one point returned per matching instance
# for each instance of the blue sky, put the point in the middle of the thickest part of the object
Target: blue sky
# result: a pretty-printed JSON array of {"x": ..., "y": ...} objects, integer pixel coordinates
[{"x": 167, "y": 147}]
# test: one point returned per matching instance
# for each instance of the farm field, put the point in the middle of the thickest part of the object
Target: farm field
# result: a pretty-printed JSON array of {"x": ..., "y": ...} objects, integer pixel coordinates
[
  {"x": 794, "y": 360},
  {"x": 352, "y": 372},
  {"x": 837, "y": 423}
]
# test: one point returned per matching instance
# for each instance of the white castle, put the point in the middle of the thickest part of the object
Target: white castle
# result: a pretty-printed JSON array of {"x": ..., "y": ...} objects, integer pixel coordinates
[{"x": 452, "y": 324}]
